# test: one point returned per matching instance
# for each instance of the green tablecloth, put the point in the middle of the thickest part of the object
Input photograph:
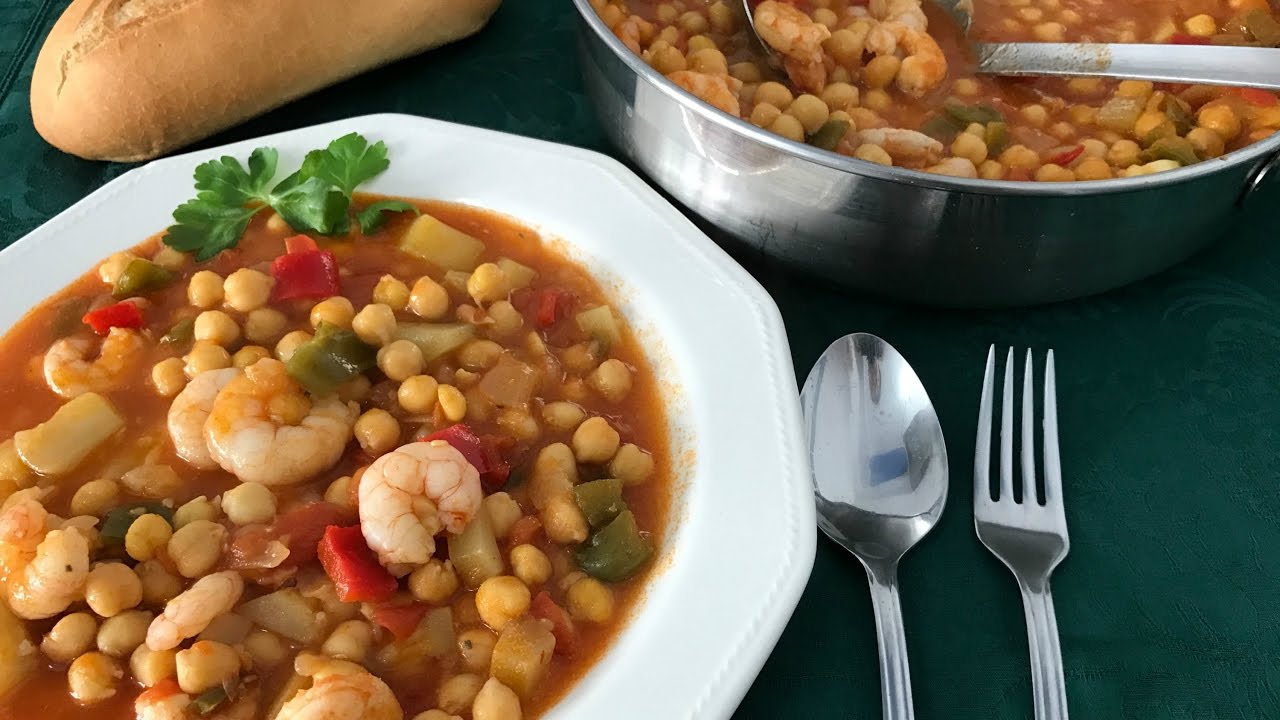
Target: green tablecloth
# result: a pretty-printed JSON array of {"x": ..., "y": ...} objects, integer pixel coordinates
[{"x": 1170, "y": 410}]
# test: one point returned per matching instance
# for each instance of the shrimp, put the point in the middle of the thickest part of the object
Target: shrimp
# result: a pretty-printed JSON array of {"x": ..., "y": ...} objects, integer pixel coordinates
[
  {"x": 339, "y": 690},
  {"x": 628, "y": 31},
  {"x": 903, "y": 144},
  {"x": 262, "y": 427},
  {"x": 190, "y": 612},
  {"x": 796, "y": 37},
  {"x": 190, "y": 411},
  {"x": 408, "y": 495},
  {"x": 955, "y": 167},
  {"x": 719, "y": 91},
  {"x": 904, "y": 12},
  {"x": 166, "y": 701},
  {"x": 45, "y": 570},
  {"x": 69, "y": 374},
  {"x": 923, "y": 66}
]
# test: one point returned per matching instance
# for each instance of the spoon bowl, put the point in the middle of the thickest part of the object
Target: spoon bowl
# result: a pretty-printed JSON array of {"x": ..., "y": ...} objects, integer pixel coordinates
[{"x": 879, "y": 476}]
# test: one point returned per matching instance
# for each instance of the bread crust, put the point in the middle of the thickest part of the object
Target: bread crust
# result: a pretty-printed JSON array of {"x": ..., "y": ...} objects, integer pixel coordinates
[{"x": 130, "y": 80}]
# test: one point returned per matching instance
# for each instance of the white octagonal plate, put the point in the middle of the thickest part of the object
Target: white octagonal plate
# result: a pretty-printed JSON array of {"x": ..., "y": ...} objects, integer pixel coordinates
[{"x": 742, "y": 535}]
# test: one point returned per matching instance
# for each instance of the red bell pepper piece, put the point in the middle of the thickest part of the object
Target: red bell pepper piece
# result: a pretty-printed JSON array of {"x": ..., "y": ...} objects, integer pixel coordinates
[
  {"x": 523, "y": 531},
  {"x": 302, "y": 528},
  {"x": 482, "y": 453},
  {"x": 1185, "y": 39},
  {"x": 352, "y": 566},
  {"x": 400, "y": 620},
  {"x": 305, "y": 273},
  {"x": 566, "y": 635},
  {"x": 1066, "y": 157},
  {"x": 1258, "y": 97},
  {"x": 300, "y": 243},
  {"x": 121, "y": 315},
  {"x": 551, "y": 304}
]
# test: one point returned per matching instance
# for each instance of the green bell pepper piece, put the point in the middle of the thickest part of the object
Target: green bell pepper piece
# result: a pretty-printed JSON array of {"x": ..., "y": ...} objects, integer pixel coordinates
[
  {"x": 600, "y": 500},
  {"x": 616, "y": 551},
  {"x": 208, "y": 701},
  {"x": 69, "y": 317},
  {"x": 1171, "y": 148},
  {"x": 331, "y": 358},
  {"x": 828, "y": 136},
  {"x": 140, "y": 277},
  {"x": 182, "y": 333},
  {"x": 941, "y": 128},
  {"x": 997, "y": 137},
  {"x": 965, "y": 115}
]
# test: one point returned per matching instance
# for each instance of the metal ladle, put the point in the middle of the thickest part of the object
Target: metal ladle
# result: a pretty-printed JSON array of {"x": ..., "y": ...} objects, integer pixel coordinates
[{"x": 1195, "y": 64}]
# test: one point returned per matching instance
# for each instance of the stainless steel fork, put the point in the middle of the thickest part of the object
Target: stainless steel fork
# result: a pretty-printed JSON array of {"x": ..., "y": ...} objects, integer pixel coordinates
[{"x": 1028, "y": 535}]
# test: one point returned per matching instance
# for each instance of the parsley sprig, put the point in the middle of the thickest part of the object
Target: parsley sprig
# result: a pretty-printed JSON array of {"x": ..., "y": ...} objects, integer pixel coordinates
[{"x": 315, "y": 199}]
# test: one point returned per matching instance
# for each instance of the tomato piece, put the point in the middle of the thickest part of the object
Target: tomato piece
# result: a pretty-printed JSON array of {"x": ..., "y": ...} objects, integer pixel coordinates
[
  {"x": 120, "y": 315},
  {"x": 1258, "y": 97},
  {"x": 352, "y": 566},
  {"x": 549, "y": 307},
  {"x": 1186, "y": 39},
  {"x": 544, "y": 608},
  {"x": 302, "y": 527},
  {"x": 305, "y": 274},
  {"x": 300, "y": 243},
  {"x": 400, "y": 620},
  {"x": 1066, "y": 157},
  {"x": 524, "y": 530}
]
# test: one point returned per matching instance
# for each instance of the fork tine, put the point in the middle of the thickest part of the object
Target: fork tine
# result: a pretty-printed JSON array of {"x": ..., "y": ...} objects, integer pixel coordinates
[
  {"x": 1028, "y": 432},
  {"x": 1006, "y": 433},
  {"x": 1052, "y": 464},
  {"x": 982, "y": 447}
]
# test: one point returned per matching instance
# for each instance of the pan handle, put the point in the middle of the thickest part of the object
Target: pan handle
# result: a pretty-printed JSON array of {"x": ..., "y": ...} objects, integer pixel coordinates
[{"x": 1269, "y": 168}]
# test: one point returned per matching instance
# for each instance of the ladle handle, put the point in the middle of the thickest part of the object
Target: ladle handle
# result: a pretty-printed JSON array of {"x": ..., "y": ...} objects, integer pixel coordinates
[
  {"x": 895, "y": 671},
  {"x": 1196, "y": 64}
]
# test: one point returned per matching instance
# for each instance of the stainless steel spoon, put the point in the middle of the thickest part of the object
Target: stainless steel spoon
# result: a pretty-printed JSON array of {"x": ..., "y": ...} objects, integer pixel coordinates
[
  {"x": 879, "y": 478},
  {"x": 1197, "y": 64}
]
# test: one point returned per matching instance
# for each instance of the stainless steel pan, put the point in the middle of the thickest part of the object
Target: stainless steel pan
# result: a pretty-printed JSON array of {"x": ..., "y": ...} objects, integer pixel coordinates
[{"x": 908, "y": 234}]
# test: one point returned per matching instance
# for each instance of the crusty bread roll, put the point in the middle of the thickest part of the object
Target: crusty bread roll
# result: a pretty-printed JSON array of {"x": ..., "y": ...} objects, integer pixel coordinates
[{"x": 132, "y": 79}]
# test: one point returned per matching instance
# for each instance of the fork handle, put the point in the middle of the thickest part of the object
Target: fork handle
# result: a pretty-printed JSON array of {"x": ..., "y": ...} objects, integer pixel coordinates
[
  {"x": 891, "y": 639},
  {"x": 1048, "y": 686}
]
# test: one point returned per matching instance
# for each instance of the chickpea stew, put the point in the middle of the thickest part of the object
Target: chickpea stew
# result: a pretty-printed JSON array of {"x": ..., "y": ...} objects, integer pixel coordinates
[
  {"x": 418, "y": 470},
  {"x": 890, "y": 81}
]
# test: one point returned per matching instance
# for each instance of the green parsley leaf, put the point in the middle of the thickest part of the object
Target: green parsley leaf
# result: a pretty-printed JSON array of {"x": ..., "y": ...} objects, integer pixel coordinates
[
  {"x": 312, "y": 205},
  {"x": 207, "y": 228},
  {"x": 347, "y": 162},
  {"x": 375, "y": 216},
  {"x": 225, "y": 180}
]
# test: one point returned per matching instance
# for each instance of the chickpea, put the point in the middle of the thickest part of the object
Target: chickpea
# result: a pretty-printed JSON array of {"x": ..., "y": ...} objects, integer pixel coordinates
[
  {"x": 966, "y": 86},
  {"x": 530, "y": 565},
  {"x": 693, "y": 23},
  {"x": 667, "y": 60},
  {"x": 377, "y": 431},
  {"x": 152, "y": 481},
  {"x": 400, "y": 360},
  {"x": 434, "y": 582},
  {"x": 458, "y": 692},
  {"x": 159, "y": 586},
  {"x": 436, "y": 714},
  {"x": 95, "y": 497},
  {"x": 991, "y": 170},
  {"x": 1206, "y": 142},
  {"x": 810, "y": 110},
  {"x": 92, "y": 677},
  {"x": 290, "y": 343},
  {"x": 747, "y": 72},
  {"x": 391, "y": 292},
  {"x": 1201, "y": 25},
  {"x": 503, "y": 511},
  {"x": 590, "y": 600},
  {"x": 788, "y": 127},
  {"x": 121, "y": 634},
  {"x": 502, "y": 599},
  {"x": 200, "y": 508},
  {"x": 710, "y": 61},
  {"x": 264, "y": 325},
  {"x": 375, "y": 324},
  {"x": 1093, "y": 168},
  {"x": 249, "y": 502},
  {"x": 1051, "y": 172},
  {"x": 452, "y": 402},
  {"x": 488, "y": 283},
  {"x": 146, "y": 536},
  {"x": 249, "y": 355},
  {"x": 112, "y": 587},
  {"x": 775, "y": 94},
  {"x": 595, "y": 441},
  {"x": 168, "y": 377},
  {"x": 429, "y": 299},
  {"x": 496, "y": 701},
  {"x": 840, "y": 96},
  {"x": 205, "y": 356},
  {"x": 479, "y": 354},
  {"x": 206, "y": 665},
  {"x": 216, "y": 327},
  {"x": 1123, "y": 153},
  {"x": 1220, "y": 119},
  {"x": 1035, "y": 114},
  {"x": 475, "y": 646},
  {"x": 563, "y": 415},
  {"x": 417, "y": 394},
  {"x": 631, "y": 465},
  {"x": 337, "y": 311},
  {"x": 878, "y": 100},
  {"x": 70, "y": 637},
  {"x": 265, "y": 648},
  {"x": 1050, "y": 32},
  {"x": 506, "y": 319},
  {"x": 1020, "y": 156},
  {"x": 612, "y": 379},
  {"x": 1030, "y": 14},
  {"x": 873, "y": 153},
  {"x": 247, "y": 290},
  {"x": 880, "y": 71},
  {"x": 196, "y": 547},
  {"x": 563, "y": 521},
  {"x": 970, "y": 147},
  {"x": 349, "y": 641},
  {"x": 204, "y": 290},
  {"x": 149, "y": 667},
  {"x": 698, "y": 43},
  {"x": 1150, "y": 123}
]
